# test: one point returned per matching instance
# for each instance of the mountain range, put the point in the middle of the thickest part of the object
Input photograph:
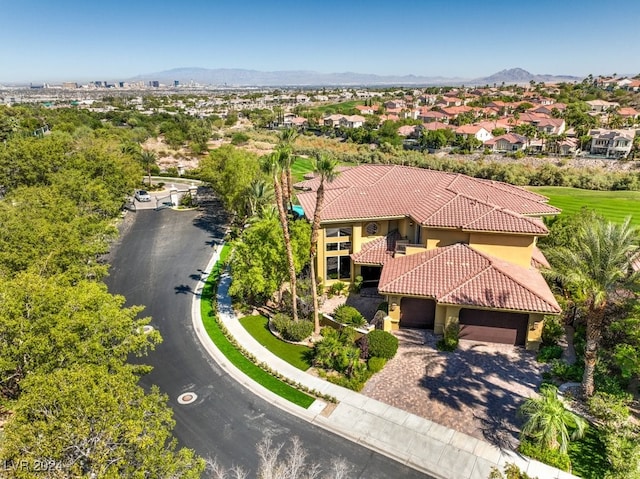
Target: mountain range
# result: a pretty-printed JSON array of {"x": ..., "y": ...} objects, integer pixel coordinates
[{"x": 246, "y": 78}]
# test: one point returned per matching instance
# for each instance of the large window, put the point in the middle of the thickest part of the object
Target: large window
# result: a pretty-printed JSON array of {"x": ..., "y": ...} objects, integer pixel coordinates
[
  {"x": 338, "y": 232},
  {"x": 338, "y": 267}
]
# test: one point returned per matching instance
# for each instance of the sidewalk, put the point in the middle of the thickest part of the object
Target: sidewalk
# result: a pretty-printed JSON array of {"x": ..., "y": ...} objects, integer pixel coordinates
[{"x": 407, "y": 438}]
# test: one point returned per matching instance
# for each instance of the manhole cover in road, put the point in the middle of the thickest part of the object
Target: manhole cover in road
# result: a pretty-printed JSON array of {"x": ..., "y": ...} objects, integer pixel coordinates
[{"x": 187, "y": 398}]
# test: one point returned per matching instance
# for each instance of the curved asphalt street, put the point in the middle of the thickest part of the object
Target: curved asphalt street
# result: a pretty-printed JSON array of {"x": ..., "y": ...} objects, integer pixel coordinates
[{"x": 157, "y": 263}]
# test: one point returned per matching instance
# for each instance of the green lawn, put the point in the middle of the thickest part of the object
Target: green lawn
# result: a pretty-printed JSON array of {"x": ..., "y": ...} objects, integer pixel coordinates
[
  {"x": 301, "y": 166},
  {"x": 295, "y": 354},
  {"x": 613, "y": 205},
  {"x": 344, "y": 107},
  {"x": 233, "y": 354}
]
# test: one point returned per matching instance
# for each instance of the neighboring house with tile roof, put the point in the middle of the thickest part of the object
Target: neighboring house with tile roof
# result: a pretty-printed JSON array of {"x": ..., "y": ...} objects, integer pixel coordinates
[
  {"x": 507, "y": 142},
  {"x": 611, "y": 143},
  {"x": 442, "y": 248}
]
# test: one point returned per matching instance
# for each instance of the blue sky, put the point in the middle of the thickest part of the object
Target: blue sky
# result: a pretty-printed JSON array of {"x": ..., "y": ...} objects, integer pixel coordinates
[{"x": 58, "y": 40}]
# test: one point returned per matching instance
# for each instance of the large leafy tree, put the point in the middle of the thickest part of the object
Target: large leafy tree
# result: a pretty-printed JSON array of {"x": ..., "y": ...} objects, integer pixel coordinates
[
  {"x": 51, "y": 323},
  {"x": 325, "y": 168},
  {"x": 231, "y": 172},
  {"x": 258, "y": 264},
  {"x": 91, "y": 421},
  {"x": 593, "y": 267}
]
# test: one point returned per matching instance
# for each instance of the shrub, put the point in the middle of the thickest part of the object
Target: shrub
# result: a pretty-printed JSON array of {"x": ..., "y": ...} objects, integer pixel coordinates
[
  {"x": 376, "y": 364},
  {"x": 552, "y": 330},
  {"x": 609, "y": 408},
  {"x": 290, "y": 329},
  {"x": 382, "y": 344},
  {"x": 451, "y": 338},
  {"x": 336, "y": 288},
  {"x": 239, "y": 139},
  {"x": 511, "y": 471},
  {"x": 553, "y": 458},
  {"x": 357, "y": 284},
  {"x": 548, "y": 353},
  {"x": 566, "y": 372},
  {"x": 348, "y": 315}
]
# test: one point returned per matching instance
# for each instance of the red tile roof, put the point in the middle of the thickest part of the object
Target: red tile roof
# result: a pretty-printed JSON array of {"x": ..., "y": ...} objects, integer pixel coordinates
[
  {"x": 460, "y": 275},
  {"x": 538, "y": 259},
  {"x": 431, "y": 198},
  {"x": 378, "y": 251}
]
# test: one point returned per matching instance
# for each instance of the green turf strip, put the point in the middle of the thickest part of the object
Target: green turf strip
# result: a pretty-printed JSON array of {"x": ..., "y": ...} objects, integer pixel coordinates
[
  {"x": 613, "y": 205},
  {"x": 294, "y": 354},
  {"x": 234, "y": 355}
]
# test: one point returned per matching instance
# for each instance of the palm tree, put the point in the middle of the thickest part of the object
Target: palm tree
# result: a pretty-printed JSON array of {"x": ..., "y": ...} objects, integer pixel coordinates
[
  {"x": 593, "y": 268},
  {"x": 258, "y": 195},
  {"x": 148, "y": 158},
  {"x": 286, "y": 138},
  {"x": 272, "y": 164},
  {"x": 326, "y": 168},
  {"x": 548, "y": 422}
]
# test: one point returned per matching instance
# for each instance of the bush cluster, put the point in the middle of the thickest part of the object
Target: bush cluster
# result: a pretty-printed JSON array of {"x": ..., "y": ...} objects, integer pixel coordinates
[
  {"x": 375, "y": 364},
  {"x": 382, "y": 344},
  {"x": 548, "y": 353},
  {"x": 348, "y": 315},
  {"x": 551, "y": 457},
  {"x": 451, "y": 338},
  {"x": 292, "y": 330}
]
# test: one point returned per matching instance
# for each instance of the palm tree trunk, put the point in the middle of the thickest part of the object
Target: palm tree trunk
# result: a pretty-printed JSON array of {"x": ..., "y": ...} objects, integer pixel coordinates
[
  {"x": 315, "y": 227},
  {"x": 593, "y": 335},
  {"x": 569, "y": 354},
  {"x": 287, "y": 245}
]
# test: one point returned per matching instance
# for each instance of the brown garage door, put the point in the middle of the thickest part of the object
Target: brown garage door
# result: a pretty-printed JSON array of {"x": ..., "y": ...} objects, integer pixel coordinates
[
  {"x": 417, "y": 313},
  {"x": 493, "y": 326}
]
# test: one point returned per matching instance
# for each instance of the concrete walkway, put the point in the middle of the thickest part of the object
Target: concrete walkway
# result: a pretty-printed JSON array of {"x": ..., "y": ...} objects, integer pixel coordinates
[{"x": 405, "y": 437}]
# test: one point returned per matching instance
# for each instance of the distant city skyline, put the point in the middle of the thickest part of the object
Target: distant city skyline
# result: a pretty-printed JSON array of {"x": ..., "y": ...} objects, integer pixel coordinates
[{"x": 69, "y": 40}]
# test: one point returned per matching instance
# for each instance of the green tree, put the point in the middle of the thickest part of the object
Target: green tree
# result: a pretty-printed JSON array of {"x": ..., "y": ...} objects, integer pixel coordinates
[
  {"x": 231, "y": 172},
  {"x": 325, "y": 169},
  {"x": 51, "y": 323},
  {"x": 592, "y": 268},
  {"x": 148, "y": 159},
  {"x": 549, "y": 423},
  {"x": 259, "y": 265},
  {"x": 91, "y": 421}
]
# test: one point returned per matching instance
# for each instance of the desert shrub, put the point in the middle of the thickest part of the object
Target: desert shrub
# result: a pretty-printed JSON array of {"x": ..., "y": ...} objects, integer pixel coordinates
[
  {"x": 348, "y": 315},
  {"x": 382, "y": 344},
  {"x": 376, "y": 364},
  {"x": 451, "y": 338},
  {"x": 336, "y": 288},
  {"x": 552, "y": 330},
  {"x": 548, "y": 353},
  {"x": 239, "y": 138},
  {"x": 541, "y": 453},
  {"x": 292, "y": 330},
  {"x": 609, "y": 408}
]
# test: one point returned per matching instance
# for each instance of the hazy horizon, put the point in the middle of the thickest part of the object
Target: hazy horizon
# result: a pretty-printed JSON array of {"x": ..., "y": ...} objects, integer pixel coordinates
[{"x": 70, "y": 40}]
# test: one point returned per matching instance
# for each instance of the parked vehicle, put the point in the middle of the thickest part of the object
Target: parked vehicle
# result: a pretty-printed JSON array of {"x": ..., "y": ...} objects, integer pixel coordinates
[{"x": 143, "y": 195}]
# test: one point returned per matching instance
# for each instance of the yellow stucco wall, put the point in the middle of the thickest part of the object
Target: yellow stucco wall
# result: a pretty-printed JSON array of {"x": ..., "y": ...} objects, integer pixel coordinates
[
  {"x": 534, "y": 333},
  {"x": 434, "y": 238},
  {"x": 516, "y": 249}
]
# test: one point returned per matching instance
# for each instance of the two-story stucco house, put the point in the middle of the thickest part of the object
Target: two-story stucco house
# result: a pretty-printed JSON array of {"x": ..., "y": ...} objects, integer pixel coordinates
[
  {"x": 441, "y": 247},
  {"x": 611, "y": 143}
]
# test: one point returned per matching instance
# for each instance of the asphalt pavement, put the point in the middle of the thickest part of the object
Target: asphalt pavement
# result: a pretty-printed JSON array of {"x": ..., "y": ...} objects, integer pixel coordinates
[{"x": 158, "y": 262}]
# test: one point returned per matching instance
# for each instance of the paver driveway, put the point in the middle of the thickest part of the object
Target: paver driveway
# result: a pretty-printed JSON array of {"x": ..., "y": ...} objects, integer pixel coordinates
[{"x": 475, "y": 390}]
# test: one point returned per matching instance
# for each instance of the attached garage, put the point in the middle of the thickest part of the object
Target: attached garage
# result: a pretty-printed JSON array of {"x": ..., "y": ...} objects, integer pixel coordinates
[
  {"x": 417, "y": 313},
  {"x": 494, "y": 326}
]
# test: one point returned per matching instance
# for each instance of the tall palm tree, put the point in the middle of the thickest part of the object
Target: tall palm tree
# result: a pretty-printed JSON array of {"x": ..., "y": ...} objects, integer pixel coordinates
[
  {"x": 148, "y": 158},
  {"x": 259, "y": 194},
  {"x": 595, "y": 266},
  {"x": 272, "y": 164},
  {"x": 548, "y": 422},
  {"x": 326, "y": 168},
  {"x": 286, "y": 138}
]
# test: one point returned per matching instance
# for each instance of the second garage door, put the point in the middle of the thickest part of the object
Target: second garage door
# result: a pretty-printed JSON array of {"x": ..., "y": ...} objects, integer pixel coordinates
[
  {"x": 493, "y": 327},
  {"x": 417, "y": 313}
]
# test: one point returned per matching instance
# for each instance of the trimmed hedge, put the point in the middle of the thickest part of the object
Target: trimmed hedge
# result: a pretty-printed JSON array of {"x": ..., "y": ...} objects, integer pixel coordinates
[
  {"x": 292, "y": 330},
  {"x": 382, "y": 344},
  {"x": 375, "y": 364},
  {"x": 548, "y": 456}
]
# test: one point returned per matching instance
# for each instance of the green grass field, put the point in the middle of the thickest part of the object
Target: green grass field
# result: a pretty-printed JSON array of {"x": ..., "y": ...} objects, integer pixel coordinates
[
  {"x": 301, "y": 166},
  {"x": 613, "y": 205},
  {"x": 344, "y": 107},
  {"x": 233, "y": 354},
  {"x": 295, "y": 354}
]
